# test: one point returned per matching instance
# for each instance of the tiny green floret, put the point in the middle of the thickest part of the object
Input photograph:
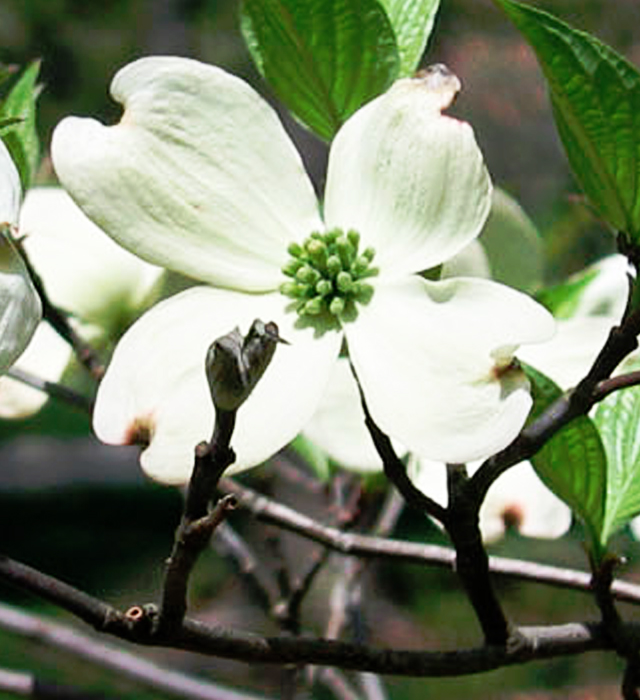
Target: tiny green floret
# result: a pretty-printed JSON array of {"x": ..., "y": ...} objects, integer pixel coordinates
[{"x": 327, "y": 274}]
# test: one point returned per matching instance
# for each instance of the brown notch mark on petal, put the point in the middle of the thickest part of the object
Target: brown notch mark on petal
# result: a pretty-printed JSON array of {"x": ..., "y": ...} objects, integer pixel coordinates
[
  {"x": 500, "y": 371},
  {"x": 140, "y": 432},
  {"x": 512, "y": 517}
]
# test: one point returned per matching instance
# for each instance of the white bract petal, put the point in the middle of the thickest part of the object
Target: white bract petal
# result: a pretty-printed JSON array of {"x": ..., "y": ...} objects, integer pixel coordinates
[
  {"x": 338, "y": 426},
  {"x": 10, "y": 189},
  {"x": 20, "y": 307},
  {"x": 519, "y": 500},
  {"x": 435, "y": 363},
  {"x": 46, "y": 357},
  {"x": 155, "y": 389},
  {"x": 567, "y": 357},
  {"x": 199, "y": 176},
  {"x": 606, "y": 294},
  {"x": 471, "y": 261},
  {"x": 83, "y": 270},
  {"x": 410, "y": 180}
]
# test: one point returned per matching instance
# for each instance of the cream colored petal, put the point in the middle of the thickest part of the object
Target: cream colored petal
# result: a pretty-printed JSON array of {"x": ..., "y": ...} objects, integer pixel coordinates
[
  {"x": 434, "y": 360},
  {"x": 411, "y": 180},
  {"x": 10, "y": 190},
  {"x": 519, "y": 500},
  {"x": 199, "y": 176},
  {"x": 156, "y": 381},
  {"x": 338, "y": 425},
  {"x": 430, "y": 477},
  {"x": 567, "y": 357},
  {"x": 471, "y": 261},
  {"x": 83, "y": 270},
  {"x": 606, "y": 294}
]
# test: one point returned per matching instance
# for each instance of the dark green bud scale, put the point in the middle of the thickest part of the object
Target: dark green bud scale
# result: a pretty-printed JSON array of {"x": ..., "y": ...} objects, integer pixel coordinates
[{"x": 327, "y": 275}]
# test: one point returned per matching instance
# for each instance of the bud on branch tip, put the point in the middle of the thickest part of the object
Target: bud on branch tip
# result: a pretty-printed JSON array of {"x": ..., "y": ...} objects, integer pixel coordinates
[{"x": 235, "y": 363}]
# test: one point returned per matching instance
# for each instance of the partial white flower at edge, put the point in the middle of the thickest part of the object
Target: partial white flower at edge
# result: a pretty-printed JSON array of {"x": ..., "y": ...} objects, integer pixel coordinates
[
  {"x": 200, "y": 176},
  {"x": 518, "y": 499},
  {"x": 85, "y": 274},
  {"x": 20, "y": 308}
]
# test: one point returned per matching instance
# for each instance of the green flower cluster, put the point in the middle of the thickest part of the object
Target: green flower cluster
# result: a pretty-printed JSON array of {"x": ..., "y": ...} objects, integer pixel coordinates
[{"x": 327, "y": 274}]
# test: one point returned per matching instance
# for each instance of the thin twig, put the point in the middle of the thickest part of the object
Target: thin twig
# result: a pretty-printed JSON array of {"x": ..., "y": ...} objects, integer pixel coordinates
[
  {"x": 396, "y": 472},
  {"x": 197, "y": 524},
  {"x": 354, "y": 544},
  {"x": 126, "y": 664},
  {"x": 290, "y": 616},
  {"x": 192, "y": 538},
  {"x": 627, "y": 646},
  {"x": 228, "y": 543},
  {"x": 28, "y": 685},
  {"x": 59, "y": 321},
  {"x": 537, "y": 643},
  {"x": 621, "y": 381},
  {"x": 56, "y": 391}
]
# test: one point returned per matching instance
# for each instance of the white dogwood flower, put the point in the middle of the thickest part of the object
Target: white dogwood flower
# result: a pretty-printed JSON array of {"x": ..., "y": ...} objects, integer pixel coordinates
[
  {"x": 199, "y": 176},
  {"x": 20, "y": 308}
]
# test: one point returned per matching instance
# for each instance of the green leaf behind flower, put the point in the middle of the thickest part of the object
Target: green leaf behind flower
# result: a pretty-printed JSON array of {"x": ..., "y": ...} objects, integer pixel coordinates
[
  {"x": 617, "y": 418},
  {"x": 573, "y": 463},
  {"x": 323, "y": 59},
  {"x": 595, "y": 94},
  {"x": 18, "y": 115},
  {"x": 412, "y": 22},
  {"x": 563, "y": 299}
]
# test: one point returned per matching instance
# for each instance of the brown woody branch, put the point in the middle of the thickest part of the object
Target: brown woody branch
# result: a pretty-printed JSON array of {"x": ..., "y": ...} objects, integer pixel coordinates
[{"x": 536, "y": 642}]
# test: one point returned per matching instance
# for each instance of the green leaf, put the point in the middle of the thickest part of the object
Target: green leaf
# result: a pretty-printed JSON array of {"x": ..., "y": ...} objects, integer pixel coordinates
[
  {"x": 10, "y": 121},
  {"x": 323, "y": 59},
  {"x": 512, "y": 244},
  {"x": 412, "y": 21},
  {"x": 22, "y": 138},
  {"x": 617, "y": 418},
  {"x": 595, "y": 94},
  {"x": 573, "y": 463},
  {"x": 564, "y": 299}
]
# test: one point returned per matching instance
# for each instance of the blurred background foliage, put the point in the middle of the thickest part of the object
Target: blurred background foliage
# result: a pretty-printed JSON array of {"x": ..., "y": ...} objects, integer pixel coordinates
[
  {"x": 82, "y": 44},
  {"x": 94, "y": 522}
]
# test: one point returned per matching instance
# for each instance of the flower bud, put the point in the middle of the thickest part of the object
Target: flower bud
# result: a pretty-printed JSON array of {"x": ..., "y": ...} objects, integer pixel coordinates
[{"x": 235, "y": 363}]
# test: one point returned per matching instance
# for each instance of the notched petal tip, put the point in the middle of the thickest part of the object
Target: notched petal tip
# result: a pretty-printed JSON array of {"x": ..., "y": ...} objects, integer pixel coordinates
[
  {"x": 442, "y": 84},
  {"x": 506, "y": 370},
  {"x": 140, "y": 432}
]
